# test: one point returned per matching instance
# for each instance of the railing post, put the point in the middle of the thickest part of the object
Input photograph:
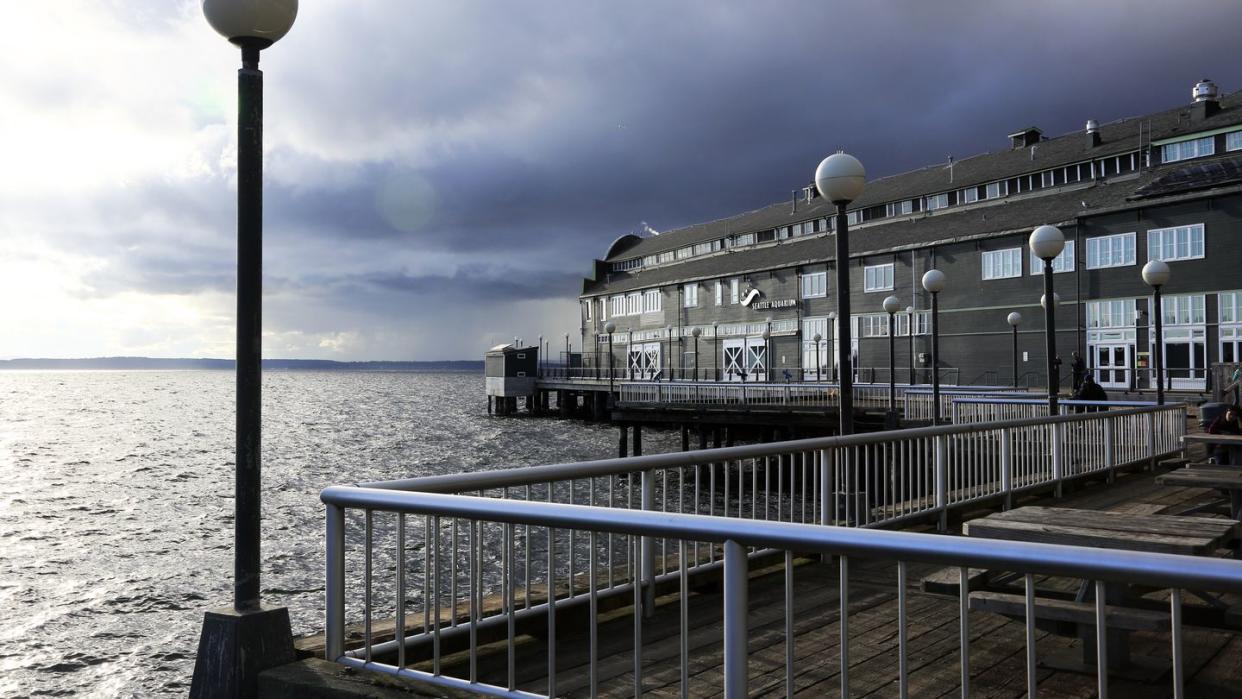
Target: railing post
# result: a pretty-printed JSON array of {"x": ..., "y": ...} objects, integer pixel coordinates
[
  {"x": 1151, "y": 441},
  {"x": 1057, "y": 466},
  {"x": 334, "y": 627},
  {"x": 955, "y": 412},
  {"x": 787, "y": 401},
  {"x": 648, "y": 547},
  {"x": 1006, "y": 474},
  {"x": 827, "y": 499},
  {"x": 941, "y": 463},
  {"x": 736, "y": 636},
  {"x": 1110, "y": 450}
]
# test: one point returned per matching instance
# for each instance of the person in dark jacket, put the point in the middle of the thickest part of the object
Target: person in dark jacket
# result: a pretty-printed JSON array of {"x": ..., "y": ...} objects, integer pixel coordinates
[
  {"x": 1228, "y": 422},
  {"x": 1088, "y": 389},
  {"x": 1079, "y": 368}
]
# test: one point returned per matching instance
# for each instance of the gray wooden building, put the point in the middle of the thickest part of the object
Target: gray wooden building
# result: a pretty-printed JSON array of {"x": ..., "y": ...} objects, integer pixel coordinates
[{"x": 759, "y": 285}]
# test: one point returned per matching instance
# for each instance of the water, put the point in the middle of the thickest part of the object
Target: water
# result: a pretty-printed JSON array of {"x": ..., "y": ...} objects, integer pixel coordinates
[{"x": 116, "y": 497}]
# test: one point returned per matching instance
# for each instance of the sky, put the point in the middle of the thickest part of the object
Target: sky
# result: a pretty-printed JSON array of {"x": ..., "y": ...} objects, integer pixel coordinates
[{"x": 440, "y": 175}]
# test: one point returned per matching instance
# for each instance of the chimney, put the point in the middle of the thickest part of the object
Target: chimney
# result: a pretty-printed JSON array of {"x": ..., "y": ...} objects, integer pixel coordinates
[
  {"x": 1026, "y": 137},
  {"x": 1207, "y": 99},
  {"x": 1093, "y": 133}
]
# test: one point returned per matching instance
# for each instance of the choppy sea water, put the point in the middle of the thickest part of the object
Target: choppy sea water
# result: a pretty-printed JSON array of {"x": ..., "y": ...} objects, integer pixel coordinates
[{"x": 116, "y": 497}]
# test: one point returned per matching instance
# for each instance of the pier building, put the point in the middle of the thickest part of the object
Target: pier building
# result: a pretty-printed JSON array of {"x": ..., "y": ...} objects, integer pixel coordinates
[{"x": 742, "y": 298}]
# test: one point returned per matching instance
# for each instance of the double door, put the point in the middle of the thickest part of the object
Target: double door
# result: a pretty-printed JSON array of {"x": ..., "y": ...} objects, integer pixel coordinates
[
  {"x": 1113, "y": 364},
  {"x": 644, "y": 361},
  {"x": 745, "y": 359}
]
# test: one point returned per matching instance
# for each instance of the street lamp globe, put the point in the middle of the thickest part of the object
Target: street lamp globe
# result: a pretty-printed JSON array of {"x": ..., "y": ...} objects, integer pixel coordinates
[
  {"x": 696, "y": 332},
  {"x": 1156, "y": 273},
  {"x": 1014, "y": 318},
  {"x": 1047, "y": 242},
  {"x": 767, "y": 332},
  {"x": 840, "y": 178},
  {"x": 892, "y": 304},
  {"x": 610, "y": 328},
  {"x": 258, "y": 23},
  {"x": 832, "y": 315},
  {"x": 1056, "y": 300},
  {"x": 934, "y": 281}
]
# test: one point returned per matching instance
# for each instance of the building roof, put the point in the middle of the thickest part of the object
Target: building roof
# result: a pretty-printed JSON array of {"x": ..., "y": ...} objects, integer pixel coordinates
[
  {"x": 1122, "y": 136},
  {"x": 1057, "y": 206}
]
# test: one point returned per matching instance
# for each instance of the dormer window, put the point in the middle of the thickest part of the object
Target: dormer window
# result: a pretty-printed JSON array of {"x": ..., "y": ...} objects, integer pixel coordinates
[{"x": 1185, "y": 150}]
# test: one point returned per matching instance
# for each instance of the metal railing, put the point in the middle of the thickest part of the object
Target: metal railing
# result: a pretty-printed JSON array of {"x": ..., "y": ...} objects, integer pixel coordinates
[
  {"x": 918, "y": 401},
  {"x": 992, "y": 409},
  {"x": 494, "y": 543},
  {"x": 826, "y": 395}
]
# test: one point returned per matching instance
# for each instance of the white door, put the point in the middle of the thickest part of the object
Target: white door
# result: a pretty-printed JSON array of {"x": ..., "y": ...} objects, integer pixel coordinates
[
  {"x": 1185, "y": 364},
  {"x": 1112, "y": 364},
  {"x": 733, "y": 359},
  {"x": 644, "y": 361},
  {"x": 757, "y": 359}
]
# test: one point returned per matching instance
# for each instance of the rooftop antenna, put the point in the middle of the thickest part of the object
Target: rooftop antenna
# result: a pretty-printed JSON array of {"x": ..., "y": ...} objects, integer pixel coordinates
[{"x": 950, "y": 169}]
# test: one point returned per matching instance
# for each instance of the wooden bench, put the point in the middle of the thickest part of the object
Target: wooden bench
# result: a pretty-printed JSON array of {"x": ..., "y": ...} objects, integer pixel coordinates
[{"x": 1066, "y": 610}]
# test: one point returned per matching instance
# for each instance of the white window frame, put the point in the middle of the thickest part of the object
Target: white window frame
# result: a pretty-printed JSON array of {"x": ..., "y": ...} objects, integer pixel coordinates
[
  {"x": 1001, "y": 264},
  {"x": 938, "y": 201},
  {"x": 1184, "y": 242},
  {"x": 719, "y": 292},
  {"x": 1184, "y": 309},
  {"x": 1186, "y": 150},
  {"x": 734, "y": 291},
  {"x": 618, "y": 306},
  {"x": 589, "y": 307},
  {"x": 634, "y": 303},
  {"x": 884, "y": 282},
  {"x": 1110, "y": 313},
  {"x": 1001, "y": 189},
  {"x": 1125, "y": 240},
  {"x": 1230, "y": 301},
  {"x": 652, "y": 301},
  {"x": 814, "y": 285},
  {"x": 970, "y": 195},
  {"x": 1061, "y": 263},
  {"x": 690, "y": 296},
  {"x": 1233, "y": 140}
]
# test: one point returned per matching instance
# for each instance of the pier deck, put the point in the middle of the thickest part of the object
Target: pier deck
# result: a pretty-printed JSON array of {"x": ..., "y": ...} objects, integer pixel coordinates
[{"x": 1213, "y": 656}]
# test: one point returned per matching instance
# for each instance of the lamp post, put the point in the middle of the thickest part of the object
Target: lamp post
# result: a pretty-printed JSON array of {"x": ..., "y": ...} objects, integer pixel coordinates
[
  {"x": 840, "y": 179},
  {"x": 767, "y": 351},
  {"x": 716, "y": 350},
  {"x": 1046, "y": 243},
  {"x": 696, "y": 332},
  {"x": 891, "y": 305},
  {"x": 610, "y": 328},
  {"x": 832, "y": 330},
  {"x": 933, "y": 282},
  {"x": 819, "y": 368},
  {"x": 1014, "y": 319},
  {"x": 669, "y": 331},
  {"x": 1156, "y": 274},
  {"x": 910, "y": 333},
  {"x": 231, "y": 635}
]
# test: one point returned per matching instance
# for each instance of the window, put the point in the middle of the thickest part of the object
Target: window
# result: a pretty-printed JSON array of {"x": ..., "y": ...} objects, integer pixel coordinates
[
  {"x": 684, "y": 253},
  {"x": 970, "y": 195},
  {"x": 603, "y": 309},
  {"x": 690, "y": 296},
  {"x": 852, "y": 218},
  {"x": 1061, "y": 263},
  {"x": 626, "y": 265},
  {"x": 618, "y": 306},
  {"x": 937, "y": 201},
  {"x": 1110, "y": 251},
  {"x": 633, "y": 304},
  {"x": 743, "y": 239},
  {"x": 878, "y": 278},
  {"x": 588, "y": 304},
  {"x": 651, "y": 301},
  {"x": 1233, "y": 140},
  {"x": 1118, "y": 313},
  {"x": 873, "y": 325},
  {"x": 1183, "y": 310},
  {"x": 650, "y": 260},
  {"x": 1178, "y": 243},
  {"x": 1185, "y": 150},
  {"x": 814, "y": 285},
  {"x": 1002, "y": 264},
  {"x": 1228, "y": 305},
  {"x": 719, "y": 293},
  {"x": 995, "y": 190},
  {"x": 703, "y": 248},
  {"x": 666, "y": 256},
  {"x": 733, "y": 291}
]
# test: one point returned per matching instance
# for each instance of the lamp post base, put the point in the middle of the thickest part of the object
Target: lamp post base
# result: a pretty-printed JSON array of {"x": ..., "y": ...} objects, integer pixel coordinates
[{"x": 236, "y": 646}]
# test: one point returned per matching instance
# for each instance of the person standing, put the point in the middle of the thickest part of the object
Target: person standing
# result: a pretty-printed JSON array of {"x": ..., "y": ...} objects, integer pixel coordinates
[{"x": 1078, "y": 368}]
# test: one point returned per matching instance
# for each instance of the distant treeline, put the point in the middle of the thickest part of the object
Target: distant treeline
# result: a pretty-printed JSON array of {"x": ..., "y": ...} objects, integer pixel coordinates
[{"x": 141, "y": 363}]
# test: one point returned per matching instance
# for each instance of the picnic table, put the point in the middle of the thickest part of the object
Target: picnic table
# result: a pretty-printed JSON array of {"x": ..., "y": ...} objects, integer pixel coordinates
[
  {"x": 1226, "y": 478},
  {"x": 1233, "y": 441},
  {"x": 1192, "y": 536}
]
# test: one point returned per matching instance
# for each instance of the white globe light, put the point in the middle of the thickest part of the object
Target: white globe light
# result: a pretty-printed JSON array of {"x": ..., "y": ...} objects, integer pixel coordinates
[
  {"x": 767, "y": 332},
  {"x": 934, "y": 281},
  {"x": 261, "y": 21},
  {"x": 909, "y": 309},
  {"x": 1056, "y": 300},
  {"x": 1047, "y": 242},
  {"x": 696, "y": 332},
  {"x": 832, "y": 315},
  {"x": 840, "y": 178},
  {"x": 892, "y": 304},
  {"x": 1014, "y": 318},
  {"x": 610, "y": 328},
  {"x": 1156, "y": 273}
]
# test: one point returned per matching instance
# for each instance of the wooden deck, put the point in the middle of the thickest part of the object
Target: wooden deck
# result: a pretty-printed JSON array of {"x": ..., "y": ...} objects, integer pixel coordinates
[{"x": 1213, "y": 656}]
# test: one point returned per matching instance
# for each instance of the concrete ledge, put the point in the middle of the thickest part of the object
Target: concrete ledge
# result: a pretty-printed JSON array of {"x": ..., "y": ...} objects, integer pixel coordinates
[{"x": 316, "y": 678}]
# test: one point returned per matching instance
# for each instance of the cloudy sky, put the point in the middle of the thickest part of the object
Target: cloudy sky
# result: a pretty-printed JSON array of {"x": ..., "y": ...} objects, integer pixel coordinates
[{"x": 439, "y": 175}]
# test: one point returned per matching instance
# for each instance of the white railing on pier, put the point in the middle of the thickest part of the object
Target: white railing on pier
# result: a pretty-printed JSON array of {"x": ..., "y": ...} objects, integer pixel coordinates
[
  {"x": 825, "y": 395},
  {"x": 918, "y": 401},
  {"x": 619, "y": 526},
  {"x": 992, "y": 409}
]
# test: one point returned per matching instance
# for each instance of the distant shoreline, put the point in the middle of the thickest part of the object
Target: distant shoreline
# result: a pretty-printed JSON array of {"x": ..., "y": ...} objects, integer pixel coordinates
[{"x": 149, "y": 364}]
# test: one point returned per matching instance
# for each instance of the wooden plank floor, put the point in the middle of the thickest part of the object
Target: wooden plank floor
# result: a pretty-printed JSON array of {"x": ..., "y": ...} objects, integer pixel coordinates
[{"x": 997, "y": 659}]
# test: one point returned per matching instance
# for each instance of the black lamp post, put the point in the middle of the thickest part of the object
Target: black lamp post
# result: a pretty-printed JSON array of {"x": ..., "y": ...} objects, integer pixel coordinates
[
  {"x": 1156, "y": 274},
  {"x": 1014, "y": 319},
  {"x": 610, "y": 328},
  {"x": 696, "y": 332},
  {"x": 819, "y": 368},
  {"x": 933, "y": 282},
  {"x": 891, "y": 305},
  {"x": 716, "y": 351},
  {"x": 239, "y": 642},
  {"x": 832, "y": 330},
  {"x": 767, "y": 350},
  {"x": 840, "y": 179},
  {"x": 1046, "y": 243},
  {"x": 669, "y": 331},
  {"x": 910, "y": 334}
]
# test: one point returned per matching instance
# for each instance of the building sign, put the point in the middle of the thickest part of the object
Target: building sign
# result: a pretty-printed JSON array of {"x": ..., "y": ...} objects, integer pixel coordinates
[{"x": 780, "y": 303}]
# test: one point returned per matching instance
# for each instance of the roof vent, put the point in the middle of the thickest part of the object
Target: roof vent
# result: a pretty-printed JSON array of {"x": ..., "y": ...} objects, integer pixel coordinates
[
  {"x": 1205, "y": 91},
  {"x": 1026, "y": 137},
  {"x": 1093, "y": 133},
  {"x": 1206, "y": 96}
]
